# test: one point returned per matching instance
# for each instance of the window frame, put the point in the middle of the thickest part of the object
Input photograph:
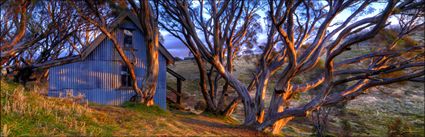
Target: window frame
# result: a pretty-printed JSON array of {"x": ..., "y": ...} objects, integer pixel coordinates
[
  {"x": 126, "y": 81},
  {"x": 130, "y": 45}
]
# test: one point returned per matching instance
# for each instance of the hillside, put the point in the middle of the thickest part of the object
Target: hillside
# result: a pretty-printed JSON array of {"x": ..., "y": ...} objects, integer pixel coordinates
[
  {"x": 371, "y": 114},
  {"x": 26, "y": 112}
]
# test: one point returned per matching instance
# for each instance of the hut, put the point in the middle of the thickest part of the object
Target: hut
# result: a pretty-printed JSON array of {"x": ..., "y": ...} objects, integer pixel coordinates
[{"x": 100, "y": 75}]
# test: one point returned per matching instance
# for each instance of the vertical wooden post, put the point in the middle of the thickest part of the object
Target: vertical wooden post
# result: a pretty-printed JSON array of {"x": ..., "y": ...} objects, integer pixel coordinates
[{"x": 179, "y": 90}]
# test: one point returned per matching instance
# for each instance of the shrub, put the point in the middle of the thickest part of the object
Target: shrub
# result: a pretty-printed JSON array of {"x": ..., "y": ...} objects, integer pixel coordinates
[
  {"x": 346, "y": 128},
  {"x": 154, "y": 110},
  {"x": 398, "y": 128}
]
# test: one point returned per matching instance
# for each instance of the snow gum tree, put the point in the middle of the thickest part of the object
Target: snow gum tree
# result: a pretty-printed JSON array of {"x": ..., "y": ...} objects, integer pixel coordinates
[{"x": 301, "y": 34}]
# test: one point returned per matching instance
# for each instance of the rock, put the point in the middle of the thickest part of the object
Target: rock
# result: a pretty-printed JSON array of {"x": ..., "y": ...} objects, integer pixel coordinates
[
  {"x": 410, "y": 103},
  {"x": 185, "y": 96},
  {"x": 188, "y": 100},
  {"x": 201, "y": 105},
  {"x": 398, "y": 93},
  {"x": 369, "y": 99},
  {"x": 417, "y": 122}
]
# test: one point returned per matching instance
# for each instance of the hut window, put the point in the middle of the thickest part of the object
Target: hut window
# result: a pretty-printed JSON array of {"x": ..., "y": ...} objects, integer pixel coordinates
[
  {"x": 126, "y": 80},
  {"x": 128, "y": 38}
]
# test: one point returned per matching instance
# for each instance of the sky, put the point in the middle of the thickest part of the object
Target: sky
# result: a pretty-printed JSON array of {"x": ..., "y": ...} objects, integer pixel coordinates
[{"x": 178, "y": 49}]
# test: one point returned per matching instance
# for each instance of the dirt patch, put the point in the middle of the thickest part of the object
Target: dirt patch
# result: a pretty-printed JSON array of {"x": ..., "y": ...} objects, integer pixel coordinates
[{"x": 206, "y": 124}]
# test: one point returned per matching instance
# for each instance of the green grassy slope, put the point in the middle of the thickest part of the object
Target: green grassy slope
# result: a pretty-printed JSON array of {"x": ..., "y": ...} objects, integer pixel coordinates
[{"x": 26, "y": 112}]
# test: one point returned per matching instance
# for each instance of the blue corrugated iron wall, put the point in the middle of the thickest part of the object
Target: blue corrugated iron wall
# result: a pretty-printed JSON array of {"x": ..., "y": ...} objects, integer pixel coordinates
[
  {"x": 161, "y": 90},
  {"x": 98, "y": 76}
]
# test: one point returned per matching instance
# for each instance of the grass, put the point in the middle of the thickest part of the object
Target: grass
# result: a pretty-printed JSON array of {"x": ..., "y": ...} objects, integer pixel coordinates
[
  {"x": 28, "y": 113},
  {"x": 153, "y": 110},
  {"x": 25, "y": 112},
  {"x": 371, "y": 123}
]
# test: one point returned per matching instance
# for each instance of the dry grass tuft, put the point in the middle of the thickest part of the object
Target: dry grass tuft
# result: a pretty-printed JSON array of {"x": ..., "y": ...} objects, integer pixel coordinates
[{"x": 26, "y": 112}]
